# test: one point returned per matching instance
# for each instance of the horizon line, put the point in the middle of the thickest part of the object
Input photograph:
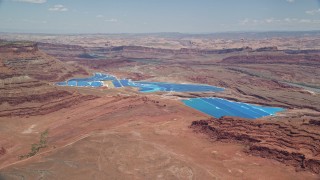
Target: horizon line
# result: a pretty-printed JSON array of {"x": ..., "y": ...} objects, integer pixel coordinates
[{"x": 168, "y": 32}]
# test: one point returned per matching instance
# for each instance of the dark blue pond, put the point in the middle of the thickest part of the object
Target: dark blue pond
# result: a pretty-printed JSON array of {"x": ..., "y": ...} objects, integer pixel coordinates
[{"x": 218, "y": 107}]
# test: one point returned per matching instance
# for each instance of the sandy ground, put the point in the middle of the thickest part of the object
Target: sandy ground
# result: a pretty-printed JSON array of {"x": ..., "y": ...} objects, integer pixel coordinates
[{"x": 128, "y": 138}]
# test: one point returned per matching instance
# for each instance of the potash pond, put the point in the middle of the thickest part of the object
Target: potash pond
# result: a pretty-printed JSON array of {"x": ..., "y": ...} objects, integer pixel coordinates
[
  {"x": 99, "y": 80},
  {"x": 216, "y": 107}
]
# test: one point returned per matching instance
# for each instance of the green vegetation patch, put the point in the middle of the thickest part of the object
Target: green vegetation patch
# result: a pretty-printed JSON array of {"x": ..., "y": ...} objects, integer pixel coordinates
[{"x": 35, "y": 148}]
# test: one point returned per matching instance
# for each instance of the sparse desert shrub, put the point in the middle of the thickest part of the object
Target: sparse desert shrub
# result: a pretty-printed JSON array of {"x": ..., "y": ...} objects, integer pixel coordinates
[{"x": 35, "y": 148}]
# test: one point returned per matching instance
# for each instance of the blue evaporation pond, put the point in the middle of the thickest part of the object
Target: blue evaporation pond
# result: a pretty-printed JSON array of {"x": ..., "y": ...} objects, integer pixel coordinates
[
  {"x": 116, "y": 83},
  {"x": 218, "y": 107},
  {"x": 125, "y": 82},
  {"x": 96, "y": 81},
  {"x": 161, "y": 86}
]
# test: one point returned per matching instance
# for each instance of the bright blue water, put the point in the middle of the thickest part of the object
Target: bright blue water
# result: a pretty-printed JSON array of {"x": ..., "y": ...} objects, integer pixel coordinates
[
  {"x": 215, "y": 107},
  {"x": 145, "y": 87},
  {"x": 116, "y": 83},
  {"x": 94, "y": 81},
  {"x": 124, "y": 82},
  {"x": 218, "y": 107},
  {"x": 161, "y": 86}
]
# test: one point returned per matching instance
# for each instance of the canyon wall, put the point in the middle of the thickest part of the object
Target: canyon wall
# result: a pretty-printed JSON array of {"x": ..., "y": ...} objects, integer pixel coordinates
[{"x": 295, "y": 143}]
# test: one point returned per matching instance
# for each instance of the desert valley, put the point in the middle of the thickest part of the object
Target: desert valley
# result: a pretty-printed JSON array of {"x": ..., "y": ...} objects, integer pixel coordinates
[{"x": 160, "y": 106}]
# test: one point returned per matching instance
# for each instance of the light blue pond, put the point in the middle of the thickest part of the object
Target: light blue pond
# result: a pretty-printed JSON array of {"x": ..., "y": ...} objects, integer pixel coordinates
[
  {"x": 94, "y": 81},
  {"x": 215, "y": 107},
  {"x": 218, "y": 107},
  {"x": 161, "y": 86},
  {"x": 145, "y": 87}
]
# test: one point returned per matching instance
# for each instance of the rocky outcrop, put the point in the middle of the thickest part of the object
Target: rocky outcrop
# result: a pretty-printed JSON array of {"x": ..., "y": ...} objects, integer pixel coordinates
[
  {"x": 2, "y": 151},
  {"x": 314, "y": 122},
  {"x": 101, "y": 64},
  {"x": 60, "y": 46},
  {"x": 269, "y": 49},
  {"x": 47, "y": 107},
  {"x": 308, "y": 51},
  {"x": 25, "y": 58},
  {"x": 289, "y": 143},
  {"x": 25, "y": 96},
  {"x": 141, "y": 49},
  {"x": 306, "y": 60},
  {"x": 41, "y": 67},
  {"x": 18, "y": 47},
  {"x": 26, "y": 78}
]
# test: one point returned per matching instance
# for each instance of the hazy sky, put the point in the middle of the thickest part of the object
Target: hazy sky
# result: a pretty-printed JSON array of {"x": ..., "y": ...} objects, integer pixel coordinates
[{"x": 141, "y": 16}]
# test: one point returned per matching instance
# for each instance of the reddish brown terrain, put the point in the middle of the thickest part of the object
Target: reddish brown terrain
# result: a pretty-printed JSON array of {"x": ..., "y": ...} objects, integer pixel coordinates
[
  {"x": 98, "y": 133},
  {"x": 26, "y": 74},
  {"x": 293, "y": 143}
]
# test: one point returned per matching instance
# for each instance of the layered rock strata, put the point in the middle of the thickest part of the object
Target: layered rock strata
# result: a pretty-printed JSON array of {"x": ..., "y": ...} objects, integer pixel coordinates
[{"x": 295, "y": 144}]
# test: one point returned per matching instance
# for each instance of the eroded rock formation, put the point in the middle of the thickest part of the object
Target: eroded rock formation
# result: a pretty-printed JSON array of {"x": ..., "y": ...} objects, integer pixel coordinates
[
  {"x": 172, "y": 51},
  {"x": 306, "y": 60},
  {"x": 23, "y": 69},
  {"x": 289, "y": 143},
  {"x": 20, "y": 47}
]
